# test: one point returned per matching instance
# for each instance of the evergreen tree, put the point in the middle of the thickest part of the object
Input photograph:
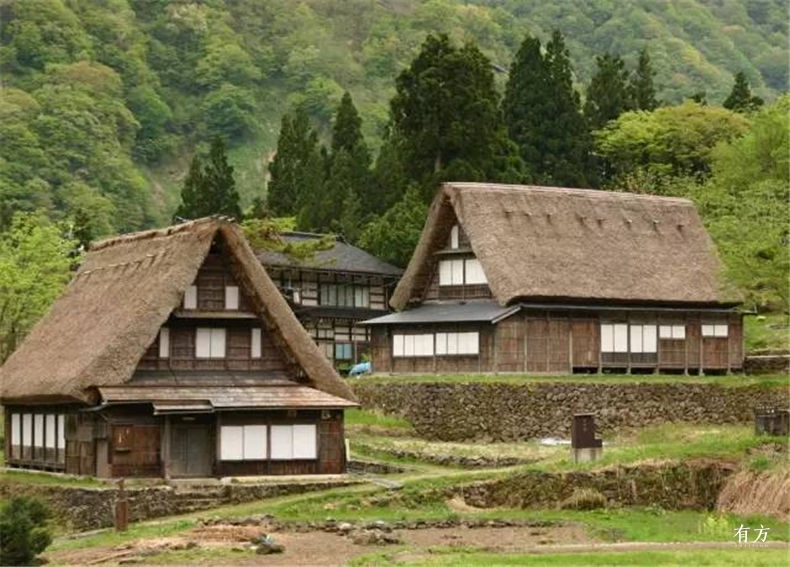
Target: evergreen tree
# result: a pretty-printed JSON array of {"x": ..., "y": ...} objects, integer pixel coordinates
[
  {"x": 607, "y": 95},
  {"x": 289, "y": 187},
  {"x": 445, "y": 116},
  {"x": 347, "y": 127},
  {"x": 350, "y": 218},
  {"x": 643, "y": 91},
  {"x": 209, "y": 188},
  {"x": 740, "y": 98},
  {"x": 388, "y": 179},
  {"x": 393, "y": 236},
  {"x": 542, "y": 111},
  {"x": 310, "y": 208}
]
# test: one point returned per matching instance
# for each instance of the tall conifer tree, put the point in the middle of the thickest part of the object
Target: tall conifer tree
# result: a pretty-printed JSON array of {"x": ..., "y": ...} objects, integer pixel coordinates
[
  {"x": 209, "y": 188},
  {"x": 643, "y": 91},
  {"x": 293, "y": 176},
  {"x": 446, "y": 119},
  {"x": 542, "y": 111},
  {"x": 740, "y": 98},
  {"x": 607, "y": 95}
]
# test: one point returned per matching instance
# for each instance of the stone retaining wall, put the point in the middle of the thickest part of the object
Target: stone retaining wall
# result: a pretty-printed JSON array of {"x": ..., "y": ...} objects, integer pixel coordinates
[
  {"x": 773, "y": 363},
  {"x": 515, "y": 411},
  {"x": 672, "y": 486},
  {"x": 92, "y": 508}
]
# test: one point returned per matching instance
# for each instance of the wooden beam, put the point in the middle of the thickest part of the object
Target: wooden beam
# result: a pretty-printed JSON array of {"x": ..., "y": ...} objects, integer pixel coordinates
[{"x": 166, "y": 449}]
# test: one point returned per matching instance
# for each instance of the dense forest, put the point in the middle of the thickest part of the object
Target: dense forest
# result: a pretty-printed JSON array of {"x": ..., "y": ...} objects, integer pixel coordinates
[{"x": 343, "y": 115}]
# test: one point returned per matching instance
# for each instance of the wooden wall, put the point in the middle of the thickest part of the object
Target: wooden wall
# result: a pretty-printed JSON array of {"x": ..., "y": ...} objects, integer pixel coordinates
[
  {"x": 128, "y": 441},
  {"x": 541, "y": 341}
]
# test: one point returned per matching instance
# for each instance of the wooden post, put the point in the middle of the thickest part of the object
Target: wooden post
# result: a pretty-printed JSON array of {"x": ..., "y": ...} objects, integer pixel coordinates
[
  {"x": 628, "y": 340},
  {"x": 121, "y": 508},
  {"x": 686, "y": 336},
  {"x": 548, "y": 342},
  {"x": 570, "y": 344},
  {"x": 729, "y": 338},
  {"x": 701, "y": 349}
]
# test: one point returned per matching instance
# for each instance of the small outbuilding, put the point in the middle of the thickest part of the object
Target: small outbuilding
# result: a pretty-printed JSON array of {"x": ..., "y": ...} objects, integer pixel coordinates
[
  {"x": 510, "y": 278},
  {"x": 172, "y": 353}
]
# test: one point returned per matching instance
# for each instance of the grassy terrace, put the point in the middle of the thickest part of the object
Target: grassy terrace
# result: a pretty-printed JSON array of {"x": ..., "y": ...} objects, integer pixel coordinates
[{"x": 767, "y": 380}]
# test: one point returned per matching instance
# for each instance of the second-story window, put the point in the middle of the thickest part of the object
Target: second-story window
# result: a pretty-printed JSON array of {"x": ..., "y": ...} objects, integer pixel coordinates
[
  {"x": 461, "y": 272},
  {"x": 190, "y": 297},
  {"x": 209, "y": 343},
  {"x": 454, "y": 239},
  {"x": 231, "y": 297},
  {"x": 345, "y": 295}
]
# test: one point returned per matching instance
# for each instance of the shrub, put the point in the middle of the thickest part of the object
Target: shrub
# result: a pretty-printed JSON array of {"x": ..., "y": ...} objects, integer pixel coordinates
[
  {"x": 23, "y": 530},
  {"x": 584, "y": 499}
]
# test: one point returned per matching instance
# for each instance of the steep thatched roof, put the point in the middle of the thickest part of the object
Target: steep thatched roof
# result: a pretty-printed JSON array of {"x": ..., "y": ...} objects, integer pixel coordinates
[
  {"x": 557, "y": 243},
  {"x": 99, "y": 328}
]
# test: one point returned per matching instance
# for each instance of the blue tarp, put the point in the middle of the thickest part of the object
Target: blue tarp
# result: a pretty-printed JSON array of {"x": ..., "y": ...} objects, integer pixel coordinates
[{"x": 361, "y": 368}]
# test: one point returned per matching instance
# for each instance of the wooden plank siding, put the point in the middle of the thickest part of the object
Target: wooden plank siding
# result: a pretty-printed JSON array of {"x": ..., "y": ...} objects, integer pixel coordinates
[{"x": 558, "y": 342}]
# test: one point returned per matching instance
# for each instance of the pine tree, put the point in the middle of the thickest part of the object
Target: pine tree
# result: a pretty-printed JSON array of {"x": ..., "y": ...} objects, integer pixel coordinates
[
  {"x": 296, "y": 148},
  {"x": 350, "y": 218},
  {"x": 542, "y": 111},
  {"x": 607, "y": 95},
  {"x": 393, "y": 236},
  {"x": 643, "y": 91},
  {"x": 445, "y": 115},
  {"x": 740, "y": 98},
  {"x": 209, "y": 187},
  {"x": 347, "y": 127}
]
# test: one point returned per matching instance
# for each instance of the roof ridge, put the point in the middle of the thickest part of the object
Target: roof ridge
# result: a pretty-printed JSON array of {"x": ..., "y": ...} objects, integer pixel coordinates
[
  {"x": 156, "y": 232},
  {"x": 597, "y": 193}
]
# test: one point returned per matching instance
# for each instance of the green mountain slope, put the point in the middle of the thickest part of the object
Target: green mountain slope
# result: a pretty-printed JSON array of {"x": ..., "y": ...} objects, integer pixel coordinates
[{"x": 105, "y": 100}]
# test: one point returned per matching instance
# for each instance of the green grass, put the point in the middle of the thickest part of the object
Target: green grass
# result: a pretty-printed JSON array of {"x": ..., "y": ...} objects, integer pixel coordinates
[
  {"x": 767, "y": 331},
  {"x": 109, "y": 537},
  {"x": 200, "y": 556},
  {"x": 733, "y": 380},
  {"x": 735, "y": 557},
  {"x": 366, "y": 417},
  {"x": 20, "y": 477}
]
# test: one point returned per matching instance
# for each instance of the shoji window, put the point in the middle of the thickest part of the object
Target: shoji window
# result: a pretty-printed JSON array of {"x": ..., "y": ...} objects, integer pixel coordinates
[
  {"x": 61, "y": 438},
  {"x": 361, "y": 296},
  {"x": 190, "y": 297},
  {"x": 714, "y": 330},
  {"x": 38, "y": 432},
  {"x": 412, "y": 345},
  {"x": 231, "y": 297},
  {"x": 255, "y": 343},
  {"x": 614, "y": 337},
  {"x": 164, "y": 342},
  {"x": 49, "y": 434},
  {"x": 672, "y": 332},
  {"x": 474, "y": 272},
  {"x": 210, "y": 343},
  {"x": 643, "y": 339},
  {"x": 290, "y": 442},
  {"x": 451, "y": 272},
  {"x": 27, "y": 433},
  {"x": 16, "y": 436},
  {"x": 454, "y": 232},
  {"x": 457, "y": 343},
  {"x": 242, "y": 442}
]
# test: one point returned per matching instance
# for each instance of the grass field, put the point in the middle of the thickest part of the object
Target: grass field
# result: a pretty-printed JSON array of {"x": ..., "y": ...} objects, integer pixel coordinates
[
  {"x": 768, "y": 331},
  {"x": 732, "y": 380}
]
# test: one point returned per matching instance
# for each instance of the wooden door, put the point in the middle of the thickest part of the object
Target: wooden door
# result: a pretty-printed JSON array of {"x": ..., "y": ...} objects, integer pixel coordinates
[{"x": 191, "y": 450}]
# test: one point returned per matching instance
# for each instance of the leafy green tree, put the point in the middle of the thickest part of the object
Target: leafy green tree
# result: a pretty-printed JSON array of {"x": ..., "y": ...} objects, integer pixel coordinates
[
  {"x": 607, "y": 94},
  {"x": 393, "y": 236},
  {"x": 296, "y": 167},
  {"x": 746, "y": 206},
  {"x": 642, "y": 89},
  {"x": 445, "y": 115},
  {"x": 35, "y": 266},
  {"x": 209, "y": 188},
  {"x": 670, "y": 141},
  {"x": 542, "y": 111},
  {"x": 229, "y": 112},
  {"x": 741, "y": 98}
]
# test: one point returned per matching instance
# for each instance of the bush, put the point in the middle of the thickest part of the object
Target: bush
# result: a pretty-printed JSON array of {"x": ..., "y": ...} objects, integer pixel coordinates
[
  {"x": 584, "y": 499},
  {"x": 23, "y": 530}
]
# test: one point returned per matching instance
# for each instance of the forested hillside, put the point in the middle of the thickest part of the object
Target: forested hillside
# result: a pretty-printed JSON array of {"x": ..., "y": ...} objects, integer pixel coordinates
[{"x": 105, "y": 101}]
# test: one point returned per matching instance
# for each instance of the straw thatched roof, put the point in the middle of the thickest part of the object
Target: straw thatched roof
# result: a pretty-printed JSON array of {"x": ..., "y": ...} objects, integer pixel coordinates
[
  {"x": 98, "y": 329},
  {"x": 556, "y": 244}
]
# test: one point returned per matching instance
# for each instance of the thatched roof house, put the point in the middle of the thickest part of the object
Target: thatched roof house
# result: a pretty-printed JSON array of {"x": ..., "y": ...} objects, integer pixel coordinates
[
  {"x": 569, "y": 250},
  {"x": 122, "y": 333}
]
